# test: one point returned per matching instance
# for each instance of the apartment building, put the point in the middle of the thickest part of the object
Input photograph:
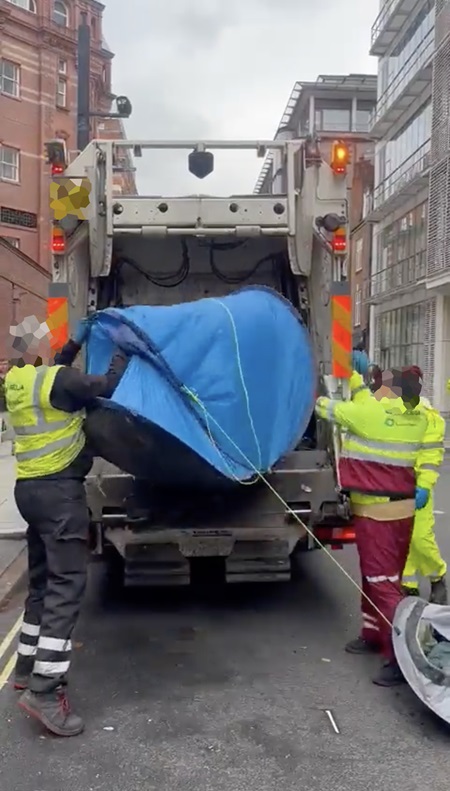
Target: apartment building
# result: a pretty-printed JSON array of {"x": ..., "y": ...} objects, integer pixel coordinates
[
  {"x": 337, "y": 107},
  {"x": 402, "y": 308}
]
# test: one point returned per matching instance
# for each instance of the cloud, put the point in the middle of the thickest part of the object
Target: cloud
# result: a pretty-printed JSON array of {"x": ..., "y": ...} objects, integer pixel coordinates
[{"x": 224, "y": 69}]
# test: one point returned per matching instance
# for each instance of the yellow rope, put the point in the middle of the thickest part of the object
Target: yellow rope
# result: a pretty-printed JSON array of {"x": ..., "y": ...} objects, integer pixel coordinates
[{"x": 263, "y": 478}]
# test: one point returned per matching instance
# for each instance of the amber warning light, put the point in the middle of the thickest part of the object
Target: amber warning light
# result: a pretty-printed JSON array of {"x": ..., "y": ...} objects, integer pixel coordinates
[{"x": 340, "y": 158}]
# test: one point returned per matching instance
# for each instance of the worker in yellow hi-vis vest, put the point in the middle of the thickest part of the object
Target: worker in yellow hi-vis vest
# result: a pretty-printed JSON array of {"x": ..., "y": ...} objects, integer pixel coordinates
[
  {"x": 46, "y": 408},
  {"x": 424, "y": 558}
]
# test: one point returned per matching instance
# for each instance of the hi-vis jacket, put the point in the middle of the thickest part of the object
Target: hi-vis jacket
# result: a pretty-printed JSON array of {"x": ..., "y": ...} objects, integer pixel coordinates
[
  {"x": 431, "y": 454},
  {"x": 380, "y": 446},
  {"x": 47, "y": 440}
]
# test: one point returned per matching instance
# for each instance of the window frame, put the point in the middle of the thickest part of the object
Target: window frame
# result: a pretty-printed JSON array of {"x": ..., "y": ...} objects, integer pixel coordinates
[
  {"x": 12, "y": 241},
  {"x": 16, "y": 166},
  {"x": 61, "y": 105},
  {"x": 58, "y": 13},
  {"x": 358, "y": 305},
  {"x": 16, "y": 80},
  {"x": 30, "y": 3}
]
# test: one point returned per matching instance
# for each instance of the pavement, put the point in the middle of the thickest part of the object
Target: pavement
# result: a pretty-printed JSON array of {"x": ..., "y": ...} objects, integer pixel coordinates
[
  {"x": 12, "y": 529},
  {"x": 235, "y": 689}
]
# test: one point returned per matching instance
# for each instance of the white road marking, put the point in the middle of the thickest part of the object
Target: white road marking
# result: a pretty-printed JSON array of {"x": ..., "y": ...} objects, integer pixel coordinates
[
  {"x": 439, "y": 513},
  {"x": 332, "y": 720}
]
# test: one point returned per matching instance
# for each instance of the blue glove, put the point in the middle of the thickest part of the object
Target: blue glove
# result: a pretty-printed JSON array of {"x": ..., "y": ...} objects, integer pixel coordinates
[
  {"x": 422, "y": 497},
  {"x": 360, "y": 362},
  {"x": 81, "y": 332}
]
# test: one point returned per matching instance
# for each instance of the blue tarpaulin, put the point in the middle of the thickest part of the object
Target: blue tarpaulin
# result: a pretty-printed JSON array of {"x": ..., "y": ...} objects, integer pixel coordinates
[{"x": 231, "y": 378}]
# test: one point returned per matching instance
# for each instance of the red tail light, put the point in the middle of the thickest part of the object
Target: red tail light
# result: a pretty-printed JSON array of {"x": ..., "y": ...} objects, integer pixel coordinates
[{"x": 58, "y": 240}]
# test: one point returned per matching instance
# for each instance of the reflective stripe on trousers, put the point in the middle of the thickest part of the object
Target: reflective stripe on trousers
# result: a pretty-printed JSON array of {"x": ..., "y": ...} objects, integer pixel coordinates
[
  {"x": 54, "y": 656},
  {"x": 28, "y": 640}
]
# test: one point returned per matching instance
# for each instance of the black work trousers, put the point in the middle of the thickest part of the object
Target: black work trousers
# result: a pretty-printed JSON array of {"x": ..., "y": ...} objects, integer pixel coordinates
[{"x": 58, "y": 524}]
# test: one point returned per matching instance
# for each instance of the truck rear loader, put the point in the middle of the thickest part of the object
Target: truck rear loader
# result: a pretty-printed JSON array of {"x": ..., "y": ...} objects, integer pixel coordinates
[{"x": 162, "y": 250}]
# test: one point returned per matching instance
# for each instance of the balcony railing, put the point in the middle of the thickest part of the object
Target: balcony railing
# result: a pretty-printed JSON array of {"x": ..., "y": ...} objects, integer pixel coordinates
[
  {"x": 380, "y": 22},
  {"x": 417, "y": 164},
  {"x": 396, "y": 277},
  {"x": 395, "y": 88}
]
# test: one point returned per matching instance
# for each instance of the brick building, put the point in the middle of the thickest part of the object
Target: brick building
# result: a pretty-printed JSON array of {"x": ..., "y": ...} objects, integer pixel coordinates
[
  {"x": 38, "y": 100},
  {"x": 23, "y": 291}
]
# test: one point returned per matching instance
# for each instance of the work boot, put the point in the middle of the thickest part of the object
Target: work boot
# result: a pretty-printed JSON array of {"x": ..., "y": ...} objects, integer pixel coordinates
[
  {"x": 21, "y": 682},
  {"x": 361, "y": 646},
  {"x": 22, "y": 672},
  {"x": 410, "y": 591},
  {"x": 52, "y": 709},
  {"x": 389, "y": 675},
  {"x": 439, "y": 593}
]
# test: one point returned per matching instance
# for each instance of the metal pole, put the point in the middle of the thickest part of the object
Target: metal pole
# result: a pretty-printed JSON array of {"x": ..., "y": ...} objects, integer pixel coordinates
[{"x": 84, "y": 72}]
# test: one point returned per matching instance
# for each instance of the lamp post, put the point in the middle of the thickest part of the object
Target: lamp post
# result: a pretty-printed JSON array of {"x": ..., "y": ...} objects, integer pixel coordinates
[{"x": 84, "y": 114}]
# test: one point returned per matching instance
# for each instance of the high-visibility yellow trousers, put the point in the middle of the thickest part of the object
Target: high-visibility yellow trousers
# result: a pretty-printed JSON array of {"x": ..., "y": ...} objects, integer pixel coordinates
[{"x": 424, "y": 557}]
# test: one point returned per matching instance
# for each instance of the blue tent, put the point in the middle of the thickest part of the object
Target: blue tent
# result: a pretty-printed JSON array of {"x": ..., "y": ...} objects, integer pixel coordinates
[{"x": 225, "y": 383}]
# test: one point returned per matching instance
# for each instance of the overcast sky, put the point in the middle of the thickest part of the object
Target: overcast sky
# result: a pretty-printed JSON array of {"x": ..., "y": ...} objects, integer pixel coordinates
[{"x": 224, "y": 69}]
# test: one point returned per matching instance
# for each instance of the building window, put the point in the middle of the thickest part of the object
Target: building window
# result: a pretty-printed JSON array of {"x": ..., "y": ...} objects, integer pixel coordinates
[
  {"x": 358, "y": 306},
  {"x": 9, "y": 78},
  {"x": 60, "y": 14},
  {"x": 13, "y": 241},
  {"x": 358, "y": 255},
  {"x": 24, "y": 219},
  {"x": 62, "y": 66},
  {"x": 26, "y": 5},
  {"x": 9, "y": 164},
  {"x": 401, "y": 335},
  {"x": 61, "y": 92},
  {"x": 93, "y": 28},
  {"x": 329, "y": 119},
  {"x": 402, "y": 252}
]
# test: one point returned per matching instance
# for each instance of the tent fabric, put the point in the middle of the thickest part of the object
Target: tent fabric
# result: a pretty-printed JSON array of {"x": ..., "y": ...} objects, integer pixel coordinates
[
  {"x": 417, "y": 624},
  {"x": 232, "y": 379}
]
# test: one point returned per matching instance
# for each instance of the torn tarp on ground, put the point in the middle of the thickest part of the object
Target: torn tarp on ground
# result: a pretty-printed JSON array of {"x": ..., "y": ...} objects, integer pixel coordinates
[{"x": 421, "y": 639}]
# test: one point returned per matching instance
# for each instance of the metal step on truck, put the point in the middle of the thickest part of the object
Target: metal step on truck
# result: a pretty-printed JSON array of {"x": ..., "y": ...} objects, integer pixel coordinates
[{"x": 163, "y": 250}]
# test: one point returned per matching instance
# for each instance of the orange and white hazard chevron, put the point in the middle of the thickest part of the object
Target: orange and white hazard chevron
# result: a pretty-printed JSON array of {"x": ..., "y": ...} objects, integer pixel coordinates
[
  {"x": 341, "y": 330},
  {"x": 58, "y": 315}
]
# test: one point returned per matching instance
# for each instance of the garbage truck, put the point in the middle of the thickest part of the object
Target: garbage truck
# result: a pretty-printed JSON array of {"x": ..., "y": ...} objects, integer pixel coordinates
[{"x": 130, "y": 250}]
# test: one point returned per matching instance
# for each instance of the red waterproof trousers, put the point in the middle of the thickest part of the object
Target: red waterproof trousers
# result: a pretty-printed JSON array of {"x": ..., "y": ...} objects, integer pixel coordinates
[{"x": 383, "y": 548}]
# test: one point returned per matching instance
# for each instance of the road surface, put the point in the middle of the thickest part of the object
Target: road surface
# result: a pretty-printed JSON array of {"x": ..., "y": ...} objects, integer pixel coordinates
[{"x": 235, "y": 690}]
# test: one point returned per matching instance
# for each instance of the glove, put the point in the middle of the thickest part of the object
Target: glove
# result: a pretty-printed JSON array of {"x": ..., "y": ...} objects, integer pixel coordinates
[
  {"x": 422, "y": 497},
  {"x": 81, "y": 332}
]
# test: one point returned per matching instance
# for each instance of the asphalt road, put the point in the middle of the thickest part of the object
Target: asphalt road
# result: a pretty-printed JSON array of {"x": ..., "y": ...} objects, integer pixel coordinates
[{"x": 228, "y": 690}]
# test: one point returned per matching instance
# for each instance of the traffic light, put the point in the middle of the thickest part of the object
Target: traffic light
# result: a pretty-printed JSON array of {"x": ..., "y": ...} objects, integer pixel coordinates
[
  {"x": 340, "y": 157},
  {"x": 56, "y": 156}
]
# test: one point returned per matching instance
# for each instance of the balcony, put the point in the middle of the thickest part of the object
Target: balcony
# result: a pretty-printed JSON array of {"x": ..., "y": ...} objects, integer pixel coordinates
[
  {"x": 405, "y": 182},
  {"x": 388, "y": 23},
  {"x": 409, "y": 83},
  {"x": 395, "y": 279}
]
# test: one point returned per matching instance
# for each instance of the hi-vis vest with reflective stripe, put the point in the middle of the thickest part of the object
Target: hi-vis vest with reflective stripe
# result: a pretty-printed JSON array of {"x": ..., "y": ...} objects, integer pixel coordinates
[
  {"x": 380, "y": 446},
  {"x": 47, "y": 440}
]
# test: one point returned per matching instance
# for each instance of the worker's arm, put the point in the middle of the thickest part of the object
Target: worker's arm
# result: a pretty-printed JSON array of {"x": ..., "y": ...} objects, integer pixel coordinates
[
  {"x": 74, "y": 390},
  {"x": 431, "y": 454},
  {"x": 352, "y": 415},
  {"x": 359, "y": 391},
  {"x": 70, "y": 350}
]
